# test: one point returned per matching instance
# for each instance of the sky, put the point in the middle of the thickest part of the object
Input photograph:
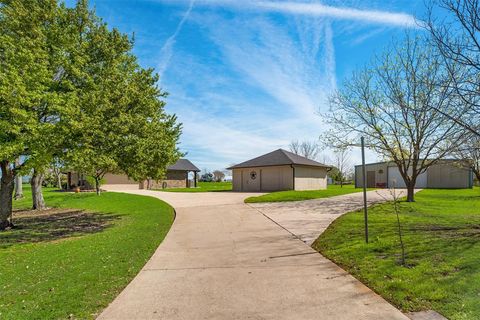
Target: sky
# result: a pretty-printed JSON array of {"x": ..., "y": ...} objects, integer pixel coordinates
[{"x": 247, "y": 77}]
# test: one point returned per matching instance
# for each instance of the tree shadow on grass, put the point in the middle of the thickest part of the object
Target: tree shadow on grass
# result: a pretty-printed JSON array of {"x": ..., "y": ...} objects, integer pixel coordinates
[{"x": 54, "y": 225}]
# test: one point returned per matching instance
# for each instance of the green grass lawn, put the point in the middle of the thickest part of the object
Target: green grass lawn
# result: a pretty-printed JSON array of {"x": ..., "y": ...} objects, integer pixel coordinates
[
  {"x": 204, "y": 187},
  {"x": 71, "y": 265},
  {"x": 280, "y": 196},
  {"x": 442, "y": 240}
]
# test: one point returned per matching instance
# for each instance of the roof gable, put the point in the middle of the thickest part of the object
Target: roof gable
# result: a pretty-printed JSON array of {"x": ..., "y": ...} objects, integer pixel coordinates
[
  {"x": 183, "y": 165},
  {"x": 278, "y": 158}
]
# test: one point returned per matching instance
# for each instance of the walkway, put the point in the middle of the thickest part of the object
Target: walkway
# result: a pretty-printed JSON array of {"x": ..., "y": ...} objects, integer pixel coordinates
[{"x": 222, "y": 259}]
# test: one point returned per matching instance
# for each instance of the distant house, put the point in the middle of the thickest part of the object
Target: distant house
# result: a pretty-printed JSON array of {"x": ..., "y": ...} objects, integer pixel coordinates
[
  {"x": 177, "y": 176},
  {"x": 446, "y": 174},
  {"x": 279, "y": 170}
]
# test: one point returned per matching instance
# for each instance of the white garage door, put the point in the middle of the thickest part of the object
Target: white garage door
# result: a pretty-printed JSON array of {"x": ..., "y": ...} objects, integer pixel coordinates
[{"x": 395, "y": 176}]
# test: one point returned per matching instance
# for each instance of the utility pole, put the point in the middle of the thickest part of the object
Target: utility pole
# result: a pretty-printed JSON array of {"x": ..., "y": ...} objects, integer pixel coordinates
[{"x": 364, "y": 176}]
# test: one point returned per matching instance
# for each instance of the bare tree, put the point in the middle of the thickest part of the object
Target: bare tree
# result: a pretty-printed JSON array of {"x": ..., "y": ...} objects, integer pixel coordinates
[
  {"x": 394, "y": 200},
  {"x": 454, "y": 26},
  {"x": 469, "y": 152},
  {"x": 307, "y": 149},
  {"x": 218, "y": 175},
  {"x": 57, "y": 172},
  {"x": 294, "y": 147},
  {"x": 343, "y": 165},
  {"x": 391, "y": 102}
]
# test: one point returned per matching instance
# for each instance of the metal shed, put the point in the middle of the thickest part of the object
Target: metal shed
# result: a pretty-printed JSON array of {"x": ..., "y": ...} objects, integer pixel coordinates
[{"x": 445, "y": 174}]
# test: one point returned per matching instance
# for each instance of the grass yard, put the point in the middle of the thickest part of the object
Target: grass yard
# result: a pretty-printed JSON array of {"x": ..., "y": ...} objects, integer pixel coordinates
[
  {"x": 70, "y": 262},
  {"x": 204, "y": 187},
  {"x": 281, "y": 196},
  {"x": 442, "y": 242}
]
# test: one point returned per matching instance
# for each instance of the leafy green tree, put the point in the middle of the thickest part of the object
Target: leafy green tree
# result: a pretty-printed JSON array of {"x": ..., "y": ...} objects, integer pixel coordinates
[
  {"x": 122, "y": 126},
  {"x": 24, "y": 90}
]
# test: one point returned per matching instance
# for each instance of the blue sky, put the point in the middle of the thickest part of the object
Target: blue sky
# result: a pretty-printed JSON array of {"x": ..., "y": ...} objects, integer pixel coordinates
[{"x": 247, "y": 77}]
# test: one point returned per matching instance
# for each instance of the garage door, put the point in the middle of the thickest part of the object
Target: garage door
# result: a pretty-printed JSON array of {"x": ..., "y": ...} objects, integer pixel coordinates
[{"x": 395, "y": 176}]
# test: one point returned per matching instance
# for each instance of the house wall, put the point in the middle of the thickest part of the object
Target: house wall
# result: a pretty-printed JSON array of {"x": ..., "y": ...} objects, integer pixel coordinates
[
  {"x": 381, "y": 173},
  {"x": 310, "y": 178},
  {"x": 274, "y": 178},
  {"x": 111, "y": 178}
]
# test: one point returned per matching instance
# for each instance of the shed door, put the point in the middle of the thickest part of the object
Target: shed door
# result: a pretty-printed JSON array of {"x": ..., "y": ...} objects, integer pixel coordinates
[{"x": 370, "y": 179}]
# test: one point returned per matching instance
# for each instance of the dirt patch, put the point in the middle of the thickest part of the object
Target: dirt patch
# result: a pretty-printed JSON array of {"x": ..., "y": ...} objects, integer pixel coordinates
[{"x": 53, "y": 224}]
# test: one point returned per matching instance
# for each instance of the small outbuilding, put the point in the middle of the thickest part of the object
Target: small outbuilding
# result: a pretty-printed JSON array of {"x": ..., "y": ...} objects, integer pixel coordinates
[
  {"x": 277, "y": 171},
  {"x": 445, "y": 174},
  {"x": 177, "y": 176}
]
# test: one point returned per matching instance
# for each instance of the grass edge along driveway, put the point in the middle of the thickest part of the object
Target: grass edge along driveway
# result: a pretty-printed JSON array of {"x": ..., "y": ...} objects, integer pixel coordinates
[
  {"x": 442, "y": 242},
  {"x": 78, "y": 276},
  {"x": 292, "y": 195},
  {"x": 203, "y": 187}
]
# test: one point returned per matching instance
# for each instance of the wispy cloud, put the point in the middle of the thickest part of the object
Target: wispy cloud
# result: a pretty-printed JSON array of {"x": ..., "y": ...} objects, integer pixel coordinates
[
  {"x": 275, "y": 81},
  {"x": 315, "y": 9},
  {"x": 320, "y": 10},
  {"x": 166, "y": 52},
  {"x": 264, "y": 79}
]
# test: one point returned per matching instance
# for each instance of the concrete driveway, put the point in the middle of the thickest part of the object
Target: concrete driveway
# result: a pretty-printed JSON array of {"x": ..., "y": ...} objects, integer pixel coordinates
[
  {"x": 223, "y": 259},
  {"x": 308, "y": 219}
]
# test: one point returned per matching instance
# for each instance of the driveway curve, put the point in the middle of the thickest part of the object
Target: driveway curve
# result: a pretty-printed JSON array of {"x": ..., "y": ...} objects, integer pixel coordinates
[{"x": 223, "y": 259}]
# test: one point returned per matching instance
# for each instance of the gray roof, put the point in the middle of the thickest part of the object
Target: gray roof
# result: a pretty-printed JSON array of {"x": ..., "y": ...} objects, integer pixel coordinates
[
  {"x": 279, "y": 157},
  {"x": 183, "y": 165}
]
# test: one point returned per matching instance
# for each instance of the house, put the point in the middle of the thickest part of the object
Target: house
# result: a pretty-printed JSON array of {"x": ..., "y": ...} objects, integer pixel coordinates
[
  {"x": 445, "y": 174},
  {"x": 177, "y": 176},
  {"x": 279, "y": 170}
]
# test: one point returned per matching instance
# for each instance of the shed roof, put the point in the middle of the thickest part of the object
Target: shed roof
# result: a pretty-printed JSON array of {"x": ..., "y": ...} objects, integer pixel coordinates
[
  {"x": 183, "y": 165},
  {"x": 279, "y": 157}
]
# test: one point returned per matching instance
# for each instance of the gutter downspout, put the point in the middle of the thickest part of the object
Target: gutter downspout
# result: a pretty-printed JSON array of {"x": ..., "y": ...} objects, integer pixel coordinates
[{"x": 293, "y": 176}]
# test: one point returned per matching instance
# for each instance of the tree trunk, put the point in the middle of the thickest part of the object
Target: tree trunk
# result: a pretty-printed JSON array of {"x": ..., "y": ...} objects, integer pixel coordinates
[
  {"x": 97, "y": 185},
  {"x": 477, "y": 173},
  {"x": 18, "y": 183},
  {"x": 59, "y": 181},
  {"x": 18, "y": 187},
  {"x": 6, "y": 195},
  {"x": 37, "y": 194},
  {"x": 411, "y": 192}
]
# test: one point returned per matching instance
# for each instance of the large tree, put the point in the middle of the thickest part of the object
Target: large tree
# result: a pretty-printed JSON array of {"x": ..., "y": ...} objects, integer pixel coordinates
[
  {"x": 25, "y": 79},
  {"x": 394, "y": 104},
  {"x": 121, "y": 123},
  {"x": 454, "y": 27},
  {"x": 71, "y": 90}
]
